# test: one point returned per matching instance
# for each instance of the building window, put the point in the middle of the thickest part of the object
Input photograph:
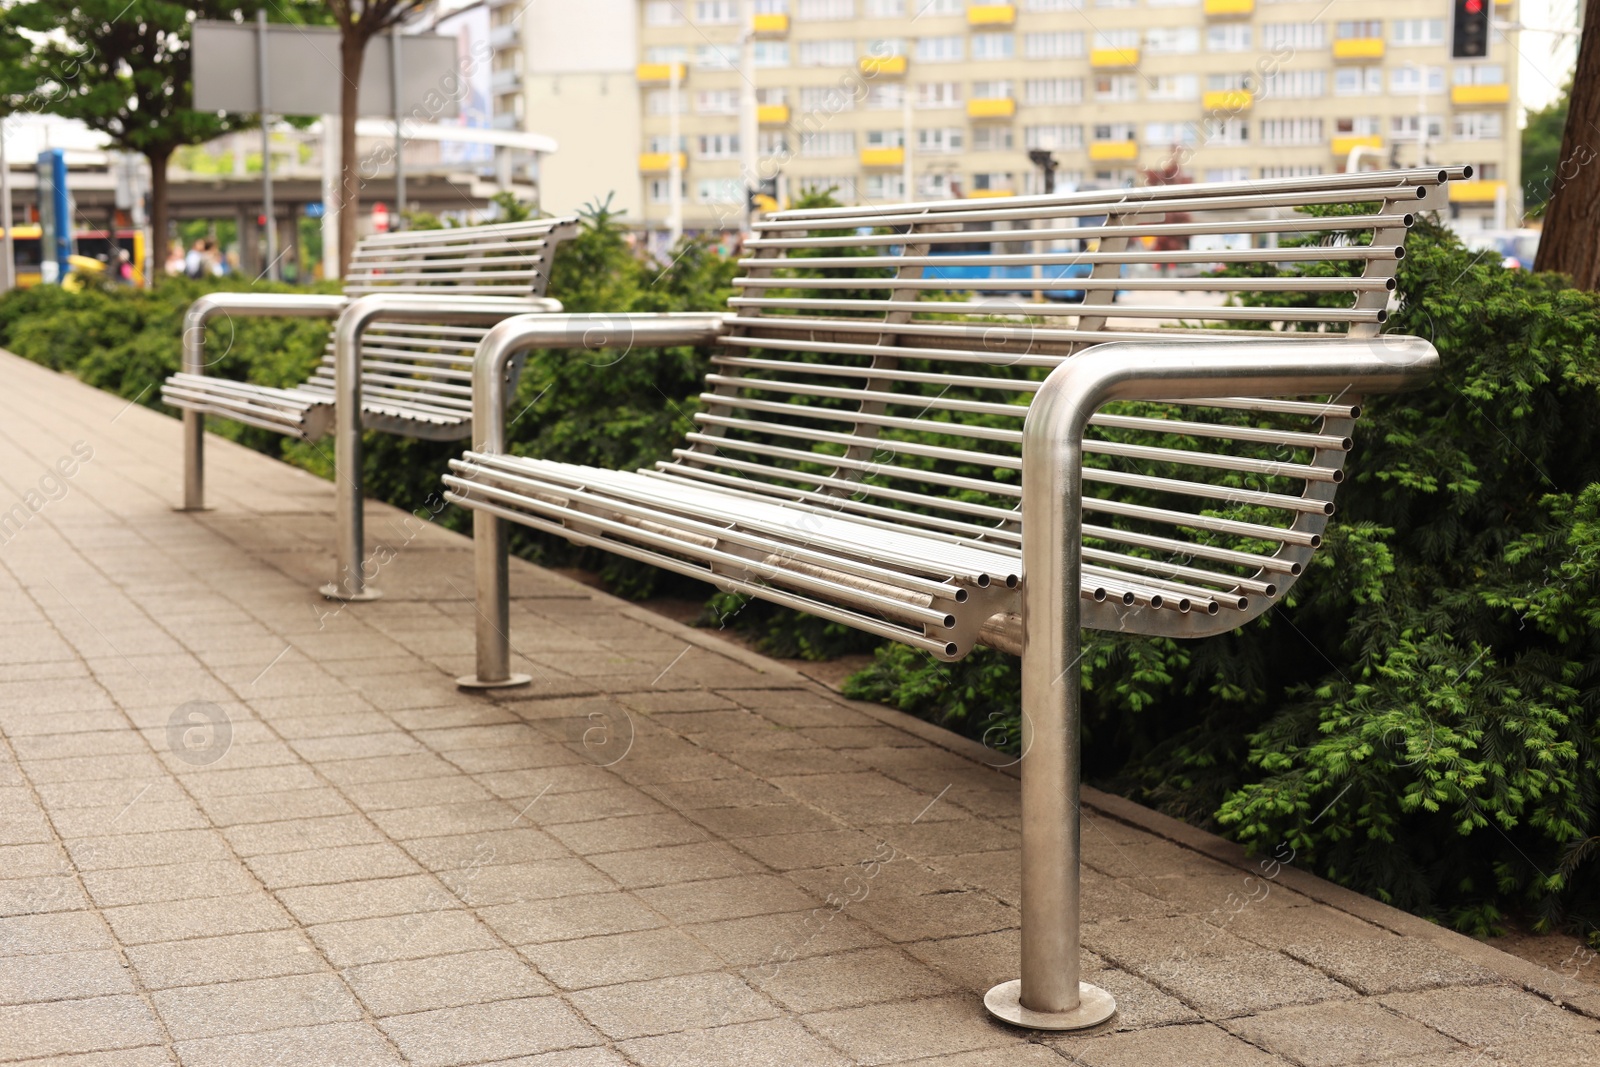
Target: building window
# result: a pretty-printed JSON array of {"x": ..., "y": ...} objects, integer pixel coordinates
[
  {"x": 991, "y": 138},
  {"x": 771, "y": 53},
  {"x": 1403, "y": 128},
  {"x": 662, "y": 142},
  {"x": 1486, "y": 74},
  {"x": 885, "y": 187},
  {"x": 716, "y": 12},
  {"x": 1303, "y": 170},
  {"x": 1114, "y": 131},
  {"x": 940, "y": 95},
  {"x": 1418, "y": 31},
  {"x": 1476, "y": 125},
  {"x": 886, "y": 9},
  {"x": 886, "y": 97},
  {"x": 1116, "y": 88},
  {"x": 717, "y": 146},
  {"x": 659, "y": 102},
  {"x": 1170, "y": 133},
  {"x": 1043, "y": 92},
  {"x": 1053, "y": 5},
  {"x": 672, "y": 53},
  {"x": 938, "y": 7},
  {"x": 988, "y": 90},
  {"x": 1125, "y": 40},
  {"x": 1358, "y": 81},
  {"x": 994, "y": 46},
  {"x": 1066, "y": 181},
  {"x": 1173, "y": 87},
  {"x": 1228, "y": 174},
  {"x": 1226, "y": 132},
  {"x": 1296, "y": 35},
  {"x": 1295, "y": 85},
  {"x": 716, "y": 57},
  {"x": 993, "y": 182},
  {"x": 940, "y": 49},
  {"x": 826, "y": 99},
  {"x": 1172, "y": 40},
  {"x": 1233, "y": 37},
  {"x": 1348, "y": 30},
  {"x": 828, "y": 144},
  {"x": 827, "y": 53},
  {"x": 895, "y": 138},
  {"x": 1053, "y": 137},
  {"x": 662, "y": 13},
  {"x": 661, "y": 190},
  {"x": 886, "y": 46},
  {"x": 1291, "y": 131},
  {"x": 825, "y": 10},
  {"x": 771, "y": 143},
  {"x": 843, "y": 188},
  {"x": 1062, "y": 44},
  {"x": 1359, "y": 126},
  {"x": 940, "y": 141},
  {"x": 936, "y": 186},
  {"x": 716, "y": 102},
  {"x": 719, "y": 191},
  {"x": 1410, "y": 81}
]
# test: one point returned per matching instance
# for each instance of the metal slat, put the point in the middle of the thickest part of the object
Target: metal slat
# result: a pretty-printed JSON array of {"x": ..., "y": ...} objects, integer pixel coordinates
[
  {"x": 1314, "y": 254},
  {"x": 1295, "y": 284}
]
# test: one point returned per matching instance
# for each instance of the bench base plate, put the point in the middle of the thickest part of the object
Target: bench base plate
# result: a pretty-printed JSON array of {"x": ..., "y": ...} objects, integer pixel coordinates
[
  {"x": 470, "y": 681},
  {"x": 1095, "y": 1006}
]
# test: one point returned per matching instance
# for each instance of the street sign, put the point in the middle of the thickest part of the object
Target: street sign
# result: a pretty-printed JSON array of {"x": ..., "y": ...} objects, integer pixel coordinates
[{"x": 303, "y": 72}]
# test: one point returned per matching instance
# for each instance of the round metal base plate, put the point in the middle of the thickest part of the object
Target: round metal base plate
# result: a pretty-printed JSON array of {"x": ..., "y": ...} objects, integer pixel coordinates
[
  {"x": 181, "y": 510},
  {"x": 1095, "y": 1006},
  {"x": 333, "y": 592},
  {"x": 470, "y": 681}
]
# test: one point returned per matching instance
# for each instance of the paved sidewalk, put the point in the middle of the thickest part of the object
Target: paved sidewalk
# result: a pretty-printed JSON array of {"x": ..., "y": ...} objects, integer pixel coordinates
[{"x": 244, "y": 826}]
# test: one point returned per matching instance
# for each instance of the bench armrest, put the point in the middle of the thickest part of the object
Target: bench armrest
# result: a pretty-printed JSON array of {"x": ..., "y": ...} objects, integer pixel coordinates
[
  {"x": 249, "y": 305},
  {"x": 591, "y": 332}
]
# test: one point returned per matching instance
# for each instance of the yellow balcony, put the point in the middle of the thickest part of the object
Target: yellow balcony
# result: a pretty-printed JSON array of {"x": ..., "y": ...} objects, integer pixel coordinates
[
  {"x": 991, "y": 14},
  {"x": 1111, "y": 58},
  {"x": 1343, "y": 145},
  {"x": 1475, "y": 192},
  {"x": 660, "y": 72},
  {"x": 1229, "y": 8},
  {"x": 990, "y": 194},
  {"x": 1358, "y": 48},
  {"x": 878, "y": 66},
  {"x": 771, "y": 25},
  {"x": 991, "y": 108},
  {"x": 772, "y": 114},
  {"x": 1480, "y": 94},
  {"x": 1227, "y": 100},
  {"x": 883, "y": 157},
  {"x": 660, "y": 162},
  {"x": 1112, "y": 151}
]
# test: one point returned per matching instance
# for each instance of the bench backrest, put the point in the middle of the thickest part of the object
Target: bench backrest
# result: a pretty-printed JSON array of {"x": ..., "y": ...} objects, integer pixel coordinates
[
  {"x": 424, "y": 372},
  {"x": 881, "y": 361}
]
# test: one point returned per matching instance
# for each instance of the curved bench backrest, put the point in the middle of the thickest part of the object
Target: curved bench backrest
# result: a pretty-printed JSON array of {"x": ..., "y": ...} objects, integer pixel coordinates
[
  {"x": 881, "y": 361},
  {"x": 416, "y": 379}
]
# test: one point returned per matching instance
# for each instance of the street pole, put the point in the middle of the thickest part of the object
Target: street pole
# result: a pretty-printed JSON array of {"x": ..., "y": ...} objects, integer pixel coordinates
[
  {"x": 748, "y": 126},
  {"x": 399, "y": 222},
  {"x": 8, "y": 271},
  {"x": 908, "y": 135},
  {"x": 674, "y": 167},
  {"x": 270, "y": 209}
]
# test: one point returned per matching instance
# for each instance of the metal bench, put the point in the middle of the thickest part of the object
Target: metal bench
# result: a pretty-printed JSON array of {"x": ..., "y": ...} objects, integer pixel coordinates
[
  {"x": 415, "y": 307},
  {"x": 947, "y": 469}
]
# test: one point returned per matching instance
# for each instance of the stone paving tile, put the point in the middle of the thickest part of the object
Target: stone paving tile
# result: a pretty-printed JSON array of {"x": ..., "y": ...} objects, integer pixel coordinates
[
  {"x": 511, "y": 883},
  {"x": 252, "y": 1005},
  {"x": 458, "y": 852},
  {"x": 203, "y": 960},
  {"x": 1387, "y": 964},
  {"x": 172, "y": 881},
  {"x": 369, "y": 899},
  {"x": 1335, "y": 1034},
  {"x": 409, "y": 986},
  {"x": 64, "y": 975},
  {"x": 889, "y": 1033},
  {"x": 345, "y": 1044},
  {"x": 1501, "y": 1019},
  {"x": 1197, "y": 1045},
  {"x": 480, "y": 1032},
  {"x": 668, "y": 1005},
  {"x": 400, "y": 937},
  {"x": 762, "y": 939},
  {"x": 775, "y": 1043},
  {"x": 281, "y": 870},
  {"x": 937, "y": 913},
  {"x": 851, "y": 979},
  {"x": 564, "y": 918},
  {"x": 31, "y": 896},
  {"x": 173, "y": 920},
  {"x": 64, "y": 1026},
  {"x": 29, "y": 935},
  {"x": 612, "y": 959},
  {"x": 145, "y": 1056},
  {"x": 725, "y": 898},
  {"x": 641, "y": 868}
]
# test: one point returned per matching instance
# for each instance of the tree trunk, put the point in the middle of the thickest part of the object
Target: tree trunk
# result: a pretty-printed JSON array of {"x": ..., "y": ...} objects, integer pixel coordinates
[
  {"x": 1571, "y": 241},
  {"x": 352, "y": 51},
  {"x": 159, "y": 240}
]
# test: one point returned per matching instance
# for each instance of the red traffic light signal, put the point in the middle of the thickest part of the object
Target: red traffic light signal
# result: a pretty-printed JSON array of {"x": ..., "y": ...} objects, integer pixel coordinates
[{"x": 1470, "y": 39}]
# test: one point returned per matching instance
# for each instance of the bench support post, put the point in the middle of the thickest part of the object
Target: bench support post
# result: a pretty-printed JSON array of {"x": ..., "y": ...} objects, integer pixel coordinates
[
  {"x": 490, "y": 372},
  {"x": 1049, "y": 995}
]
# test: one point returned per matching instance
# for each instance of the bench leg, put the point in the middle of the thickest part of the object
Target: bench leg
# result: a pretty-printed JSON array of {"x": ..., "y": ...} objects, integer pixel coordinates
[
  {"x": 491, "y": 566},
  {"x": 1050, "y": 995},
  {"x": 194, "y": 461}
]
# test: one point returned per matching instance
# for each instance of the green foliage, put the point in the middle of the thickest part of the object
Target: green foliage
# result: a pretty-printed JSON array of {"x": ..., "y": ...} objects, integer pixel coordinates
[{"x": 1541, "y": 151}]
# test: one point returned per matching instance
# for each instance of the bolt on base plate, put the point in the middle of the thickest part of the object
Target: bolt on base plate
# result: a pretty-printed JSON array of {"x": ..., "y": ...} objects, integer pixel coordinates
[
  {"x": 1095, "y": 1006},
  {"x": 333, "y": 592},
  {"x": 471, "y": 681}
]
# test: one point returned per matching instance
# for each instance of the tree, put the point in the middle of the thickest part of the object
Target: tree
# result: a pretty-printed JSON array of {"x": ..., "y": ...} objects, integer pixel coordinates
[
  {"x": 121, "y": 68},
  {"x": 1541, "y": 152},
  {"x": 1572, "y": 220},
  {"x": 359, "y": 21}
]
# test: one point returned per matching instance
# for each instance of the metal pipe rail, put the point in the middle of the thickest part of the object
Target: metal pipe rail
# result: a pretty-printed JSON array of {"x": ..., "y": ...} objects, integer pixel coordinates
[{"x": 1050, "y": 995}]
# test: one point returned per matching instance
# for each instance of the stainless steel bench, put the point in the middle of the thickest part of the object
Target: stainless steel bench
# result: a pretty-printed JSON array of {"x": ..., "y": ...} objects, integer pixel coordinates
[
  {"x": 415, "y": 307},
  {"x": 882, "y": 445}
]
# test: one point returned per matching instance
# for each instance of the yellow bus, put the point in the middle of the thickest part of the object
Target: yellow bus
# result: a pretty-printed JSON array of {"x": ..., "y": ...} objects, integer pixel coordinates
[{"x": 89, "y": 245}]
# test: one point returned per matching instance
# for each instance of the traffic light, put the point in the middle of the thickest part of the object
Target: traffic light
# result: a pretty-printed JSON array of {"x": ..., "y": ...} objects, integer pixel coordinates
[
  {"x": 1471, "y": 37},
  {"x": 764, "y": 197}
]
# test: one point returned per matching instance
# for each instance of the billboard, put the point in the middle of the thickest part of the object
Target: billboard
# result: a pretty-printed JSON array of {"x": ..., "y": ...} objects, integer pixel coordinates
[{"x": 470, "y": 29}]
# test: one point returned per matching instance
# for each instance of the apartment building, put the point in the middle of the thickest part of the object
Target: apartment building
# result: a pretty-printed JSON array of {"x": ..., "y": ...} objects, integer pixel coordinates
[{"x": 863, "y": 94}]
